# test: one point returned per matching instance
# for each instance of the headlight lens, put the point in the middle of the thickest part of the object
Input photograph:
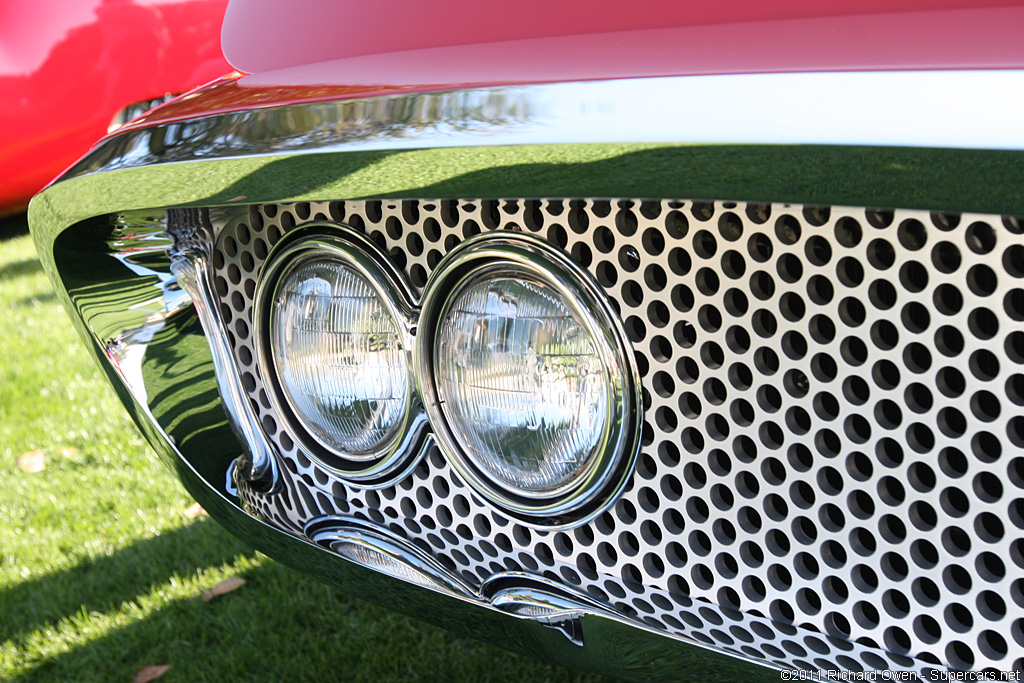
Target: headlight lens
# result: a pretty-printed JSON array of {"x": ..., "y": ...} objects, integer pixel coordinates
[
  {"x": 339, "y": 356},
  {"x": 521, "y": 383},
  {"x": 527, "y": 380}
]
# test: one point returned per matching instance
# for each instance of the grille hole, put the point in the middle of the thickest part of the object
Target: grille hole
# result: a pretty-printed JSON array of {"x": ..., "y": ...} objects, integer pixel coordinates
[
  {"x": 879, "y": 218},
  {"x": 981, "y": 280},
  {"x": 854, "y": 352},
  {"x": 760, "y": 248},
  {"x": 881, "y": 254},
  {"x": 789, "y": 268},
  {"x": 818, "y": 250},
  {"x": 911, "y": 234},
  {"x": 850, "y": 271},
  {"x": 787, "y": 229},
  {"x": 730, "y": 226},
  {"x": 913, "y": 276},
  {"x": 980, "y": 237}
]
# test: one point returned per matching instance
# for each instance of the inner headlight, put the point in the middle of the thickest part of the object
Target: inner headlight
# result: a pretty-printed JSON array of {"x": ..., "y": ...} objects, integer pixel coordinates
[
  {"x": 521, "y": 383},
  {"x": 340, "y": 356},
  {"x": 533, "y": 392},
  {"x": 336, "y": 346}
]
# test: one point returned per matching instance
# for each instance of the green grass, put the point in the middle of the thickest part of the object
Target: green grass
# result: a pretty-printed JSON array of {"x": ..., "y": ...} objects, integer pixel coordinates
[{"x": 101, "y": 572}]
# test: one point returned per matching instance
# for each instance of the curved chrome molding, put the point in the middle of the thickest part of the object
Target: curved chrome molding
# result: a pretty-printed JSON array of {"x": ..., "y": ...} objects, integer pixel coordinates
[
  {"x": 627, "y": 117},
  {"x": 850, "y": 108},
  {"x": 558, "y": 613},
  {"x": 131, "y": 111},
  {"x": 582, "y": 499},
  {"x": 376, "y": 548},
  {"x": 548, "y": 602},
  {"x": 611, "y": 644},
  {"x": 520, "y": 594},
  {"x": 190, "y": 264},
  {"x": 382, "y": 465}
]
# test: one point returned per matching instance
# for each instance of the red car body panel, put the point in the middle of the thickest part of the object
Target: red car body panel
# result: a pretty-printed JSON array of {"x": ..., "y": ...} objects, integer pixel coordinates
[
  {"x": 68, "y": 66},
  {"x": 660, "y": 39},
  {"x": 362, "y": 28}
]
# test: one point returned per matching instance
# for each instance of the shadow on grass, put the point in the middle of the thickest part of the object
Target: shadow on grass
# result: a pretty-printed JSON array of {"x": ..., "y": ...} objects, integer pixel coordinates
[
  {"x": 19, "y": 268},
  {"x": 13, "y": 226},
  {"x": 35, "y": 300},
  {"x": 279, "y": 626},
  {"x": 106, "y": 583}
]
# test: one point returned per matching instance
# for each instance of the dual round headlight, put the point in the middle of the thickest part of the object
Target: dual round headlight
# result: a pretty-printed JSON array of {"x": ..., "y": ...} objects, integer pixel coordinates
[
  {"x": 334, "y": 345},
  {"x": 515, "y": 359}
]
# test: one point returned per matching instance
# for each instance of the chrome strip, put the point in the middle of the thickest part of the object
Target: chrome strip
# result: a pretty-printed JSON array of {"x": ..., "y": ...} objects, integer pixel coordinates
[
  {"x": 520, "y": 594},
  {"x": 135, "y": 109},
  {"x": 377, "y": 549},
  {"x": 855, "y": 108},
  {"x": 190, "y": 264},
  {"x": 365, "y": 138}
]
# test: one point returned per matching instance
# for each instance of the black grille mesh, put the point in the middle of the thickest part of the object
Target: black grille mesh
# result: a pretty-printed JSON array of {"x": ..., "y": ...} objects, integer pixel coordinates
[{"x": 831, "y": 473}]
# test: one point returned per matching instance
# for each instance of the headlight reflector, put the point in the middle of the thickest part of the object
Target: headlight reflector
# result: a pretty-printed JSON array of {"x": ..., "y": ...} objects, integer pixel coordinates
[
  {"x": 333, "y": 335},
  {"x": 521, "y": 383},
  {"x": 339, "y": 355}
]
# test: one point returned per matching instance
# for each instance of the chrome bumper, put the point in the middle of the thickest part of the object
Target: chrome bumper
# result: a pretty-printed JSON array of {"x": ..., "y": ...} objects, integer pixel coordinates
[{"x": 113, "y": 234}]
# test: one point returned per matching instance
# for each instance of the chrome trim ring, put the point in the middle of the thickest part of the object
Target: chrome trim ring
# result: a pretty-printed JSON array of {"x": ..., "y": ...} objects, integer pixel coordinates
[
  {"x": 588, "y": 493},
  {"x": 357, "y": 253}
]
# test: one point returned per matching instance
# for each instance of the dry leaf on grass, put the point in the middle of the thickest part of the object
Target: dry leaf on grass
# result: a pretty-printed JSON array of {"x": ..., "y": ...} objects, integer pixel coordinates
[
  {"x": 68, "y": 451},
  {"x": 32, "y": 462},
  {"x": 229, "y": 584},
  {"x": 194, "y": 510},
  {"x": 150, "y": 673}
]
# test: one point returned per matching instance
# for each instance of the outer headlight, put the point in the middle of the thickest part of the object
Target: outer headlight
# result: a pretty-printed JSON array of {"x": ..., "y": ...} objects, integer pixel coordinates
[
  {"x": 335, "y": 341},
  {"x": 527, "y": 380}
]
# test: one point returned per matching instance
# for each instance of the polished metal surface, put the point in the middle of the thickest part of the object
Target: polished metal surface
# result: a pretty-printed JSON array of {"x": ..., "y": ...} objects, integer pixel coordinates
[
  {"x": 190, "y": 265},
  {"x": 378, "y": 549},
  {"x": 520, "y": 594},
  {"x": 816, "y": 108},
  {"x": 126, "y": 114},
  {"x": 830, "y": 471}
]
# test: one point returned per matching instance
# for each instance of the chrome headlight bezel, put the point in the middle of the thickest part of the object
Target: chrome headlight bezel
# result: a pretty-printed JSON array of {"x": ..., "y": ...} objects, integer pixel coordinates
[
  {"x": 586, "y": 495},
  {"x": 378, "y": 465}
]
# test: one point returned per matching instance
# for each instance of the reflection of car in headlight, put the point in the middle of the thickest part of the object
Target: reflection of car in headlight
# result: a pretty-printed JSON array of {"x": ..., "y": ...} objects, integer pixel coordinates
[{"x": 616, "y": 362}]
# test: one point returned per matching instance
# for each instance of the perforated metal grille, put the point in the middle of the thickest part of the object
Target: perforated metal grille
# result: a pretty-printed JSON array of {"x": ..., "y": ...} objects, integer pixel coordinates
[{"x": 831, "y": 473}]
